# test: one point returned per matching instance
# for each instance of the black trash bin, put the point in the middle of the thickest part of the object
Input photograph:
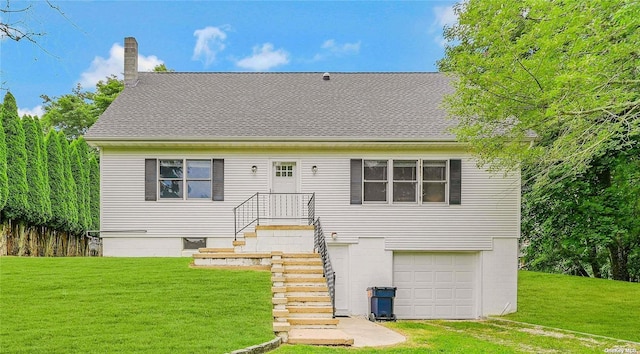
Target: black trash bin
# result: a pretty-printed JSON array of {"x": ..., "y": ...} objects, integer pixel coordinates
[{"x": 381, "y": 303}]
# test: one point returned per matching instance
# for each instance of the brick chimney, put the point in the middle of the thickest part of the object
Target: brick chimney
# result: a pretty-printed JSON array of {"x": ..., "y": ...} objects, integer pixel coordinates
[{"x": 130, "y": 61}]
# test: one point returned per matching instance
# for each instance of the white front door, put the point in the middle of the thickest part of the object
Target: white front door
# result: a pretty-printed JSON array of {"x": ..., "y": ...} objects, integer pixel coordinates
[
  {"x": 285, "y": 207},
  {"x": 284, "y": 177}
]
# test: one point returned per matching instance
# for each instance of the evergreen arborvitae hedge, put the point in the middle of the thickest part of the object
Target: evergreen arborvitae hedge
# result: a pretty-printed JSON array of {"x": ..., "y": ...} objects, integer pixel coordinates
[
  {"x": 69, "y": 185},
  {"x": 79, "y": 173},
  {"x": 38, "y": 203},
  {"x": 16, "y": 206},
  {"x": 94, "y": 189},
  {"x": 4, "y": 193},
  {"x": 58, "y": 192}
]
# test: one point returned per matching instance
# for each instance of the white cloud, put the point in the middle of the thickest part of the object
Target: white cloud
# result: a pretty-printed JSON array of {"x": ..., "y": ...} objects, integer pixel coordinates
[
  {"x": 210, "y": 42},
  {"x": 331, "y": 48},
  {"x": 341, "y": 49},
  {"x": 35, "y": 111},
  {"x": 114, "y": 65},
  {"x": 445, "y": 16},
  {"x": 264, "y": 58}
]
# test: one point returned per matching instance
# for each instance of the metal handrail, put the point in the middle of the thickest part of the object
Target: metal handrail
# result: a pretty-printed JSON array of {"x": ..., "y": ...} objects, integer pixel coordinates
[
  {"x": 320, "y": 246},
  {"x": 273, "y": 206}
]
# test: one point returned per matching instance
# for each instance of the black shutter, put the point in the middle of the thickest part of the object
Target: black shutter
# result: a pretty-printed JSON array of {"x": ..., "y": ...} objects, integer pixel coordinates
[
  {"x": 455, "y": 182},
  {"x": 217, "y": 184},
  {"x": 150, "y": 179},
  {"x": 356, "y": 181}
]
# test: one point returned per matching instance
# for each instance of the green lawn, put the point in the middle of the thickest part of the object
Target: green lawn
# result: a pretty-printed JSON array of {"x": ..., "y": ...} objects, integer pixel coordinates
[
  {"x": 67, "y": 305},
  {"x": 597, "y": 306},
  {"x": 154, "y": 305}
]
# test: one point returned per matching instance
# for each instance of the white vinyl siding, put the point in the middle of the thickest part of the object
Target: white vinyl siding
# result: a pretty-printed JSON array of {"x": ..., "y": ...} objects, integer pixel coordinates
[{"x": 490, "y": 202}]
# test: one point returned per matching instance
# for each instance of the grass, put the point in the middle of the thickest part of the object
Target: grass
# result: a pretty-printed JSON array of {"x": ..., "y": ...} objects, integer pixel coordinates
[
  {"x": 597, "y": 306},
  {"x": 154, "y": 305},
  {"x": 490, "y": 336},
  {"x": 160, "y": 305},
  {"x": 594, "y": 306}
]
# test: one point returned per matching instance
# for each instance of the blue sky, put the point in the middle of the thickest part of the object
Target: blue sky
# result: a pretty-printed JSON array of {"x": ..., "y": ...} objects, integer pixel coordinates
[{"x": 84, "y": 43}]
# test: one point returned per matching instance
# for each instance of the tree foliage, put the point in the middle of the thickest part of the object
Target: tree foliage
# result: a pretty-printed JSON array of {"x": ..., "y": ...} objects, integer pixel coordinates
[
  {"x": 55, "y": 170},
  {"x": 69, "y": 185},
  {"x": 16, "y": 206},
  {"x": 531, "y": 68},
  {"x": 4, "y": 188},
  {"x": 38, "y": 203},
  {"x": 565, "y": 74},
  {"x": 71, "y": 113},
  {"x": 94, "y": 191}
]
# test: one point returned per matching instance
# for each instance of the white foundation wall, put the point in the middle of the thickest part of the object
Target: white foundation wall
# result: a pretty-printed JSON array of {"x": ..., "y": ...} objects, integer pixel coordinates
[
  {"x": 369, "y": 265},
  {"x": 499, "y": 277},
  {"x": 134, "y": 246}
]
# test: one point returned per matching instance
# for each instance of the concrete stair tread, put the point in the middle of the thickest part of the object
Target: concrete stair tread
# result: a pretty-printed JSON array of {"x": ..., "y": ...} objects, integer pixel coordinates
[
  {"x": 306, "y": 288},
  {"x": 232, "y": 255},
  {"x": 216, "y": 250},
  {"x": 314, "y": 270},
  {"x": 304, "y": 262},
  {"x": 300, "y": 255},
  {"x": 317, "y": 298},
  {"x": 319, "y": 337},
  {"x": 297, "y": 321}
]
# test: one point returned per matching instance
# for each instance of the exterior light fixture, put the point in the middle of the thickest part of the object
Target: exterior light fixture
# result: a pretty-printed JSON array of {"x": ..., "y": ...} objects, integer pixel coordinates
[
  {"x": 254, "y": 168},
  {"x": 334, "y": 235},
  {"x": 314, "y": 169}
]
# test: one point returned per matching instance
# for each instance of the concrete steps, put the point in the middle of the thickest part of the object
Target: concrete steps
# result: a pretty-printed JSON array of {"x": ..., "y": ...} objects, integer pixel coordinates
[
  {"x": 304, "y": 302},
  {"x": 302, "y": 309}
]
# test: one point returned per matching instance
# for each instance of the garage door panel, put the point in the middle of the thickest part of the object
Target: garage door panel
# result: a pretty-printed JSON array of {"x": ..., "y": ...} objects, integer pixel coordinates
[
  {"x": 424, "y": 311},
  {"x": 444, "y": 311},
  {"x": 420, "y": 294},
  {"x": 446, "y": 276},
  {"x": 443, "y": 259},
  {"x": 464, "y": 277},
  {"x": 404, "y": 276},
  {"x": 423, "y": 276},
  {"x": 464, "y": 294},
  {"x": 435, "y": 285},
  {"x": 422, "y": 260},
  {"x": 464, "y": 312}
]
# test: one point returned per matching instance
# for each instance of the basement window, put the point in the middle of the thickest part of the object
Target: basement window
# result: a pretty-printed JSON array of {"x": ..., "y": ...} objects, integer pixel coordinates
[{"x": 191, "y": 243}]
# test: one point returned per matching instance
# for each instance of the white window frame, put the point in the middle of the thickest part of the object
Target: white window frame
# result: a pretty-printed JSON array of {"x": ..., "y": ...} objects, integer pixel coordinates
[
  {"x": 185, "y": 179},
  {"x": 385, "y": 181},
  {"x": 419, "y": 181},
  {"x": 445, "y": 181},
  {"x": 415, "y": 181}
]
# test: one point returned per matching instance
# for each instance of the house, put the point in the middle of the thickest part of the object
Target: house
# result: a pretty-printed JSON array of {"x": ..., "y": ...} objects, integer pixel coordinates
[{"x": 402, "y": 203}]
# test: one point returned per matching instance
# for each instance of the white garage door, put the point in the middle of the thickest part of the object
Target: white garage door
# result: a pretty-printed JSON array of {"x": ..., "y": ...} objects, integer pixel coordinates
[{"x": 434, "y": 285}]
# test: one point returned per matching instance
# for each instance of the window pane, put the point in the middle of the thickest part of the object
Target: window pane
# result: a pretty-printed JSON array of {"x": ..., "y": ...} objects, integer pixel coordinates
[
  {"x": 198, "y": 169},
  {"x": 198, "y": 189},
  {"x": 375, "y": 191},
  {"x": 433, "y": 192},
  {"x": 404, "y": 170},
  {"x": 189, "y": 243},
  {"x": 170, "y": 168},
  {"x": 170, "y": 188},
  {"x": 404, "y": 192},
  {"x": 375, "y": 170},
  {"x": 434, "y": 171}
]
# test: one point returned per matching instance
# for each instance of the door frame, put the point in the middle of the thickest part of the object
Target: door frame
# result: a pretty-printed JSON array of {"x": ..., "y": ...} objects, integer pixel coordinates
[{"x": 297, "y": 172}]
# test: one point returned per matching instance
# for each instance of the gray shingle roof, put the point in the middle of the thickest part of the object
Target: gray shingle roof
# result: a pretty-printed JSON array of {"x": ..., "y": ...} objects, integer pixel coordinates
[{"x": 358, "y": 106}]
